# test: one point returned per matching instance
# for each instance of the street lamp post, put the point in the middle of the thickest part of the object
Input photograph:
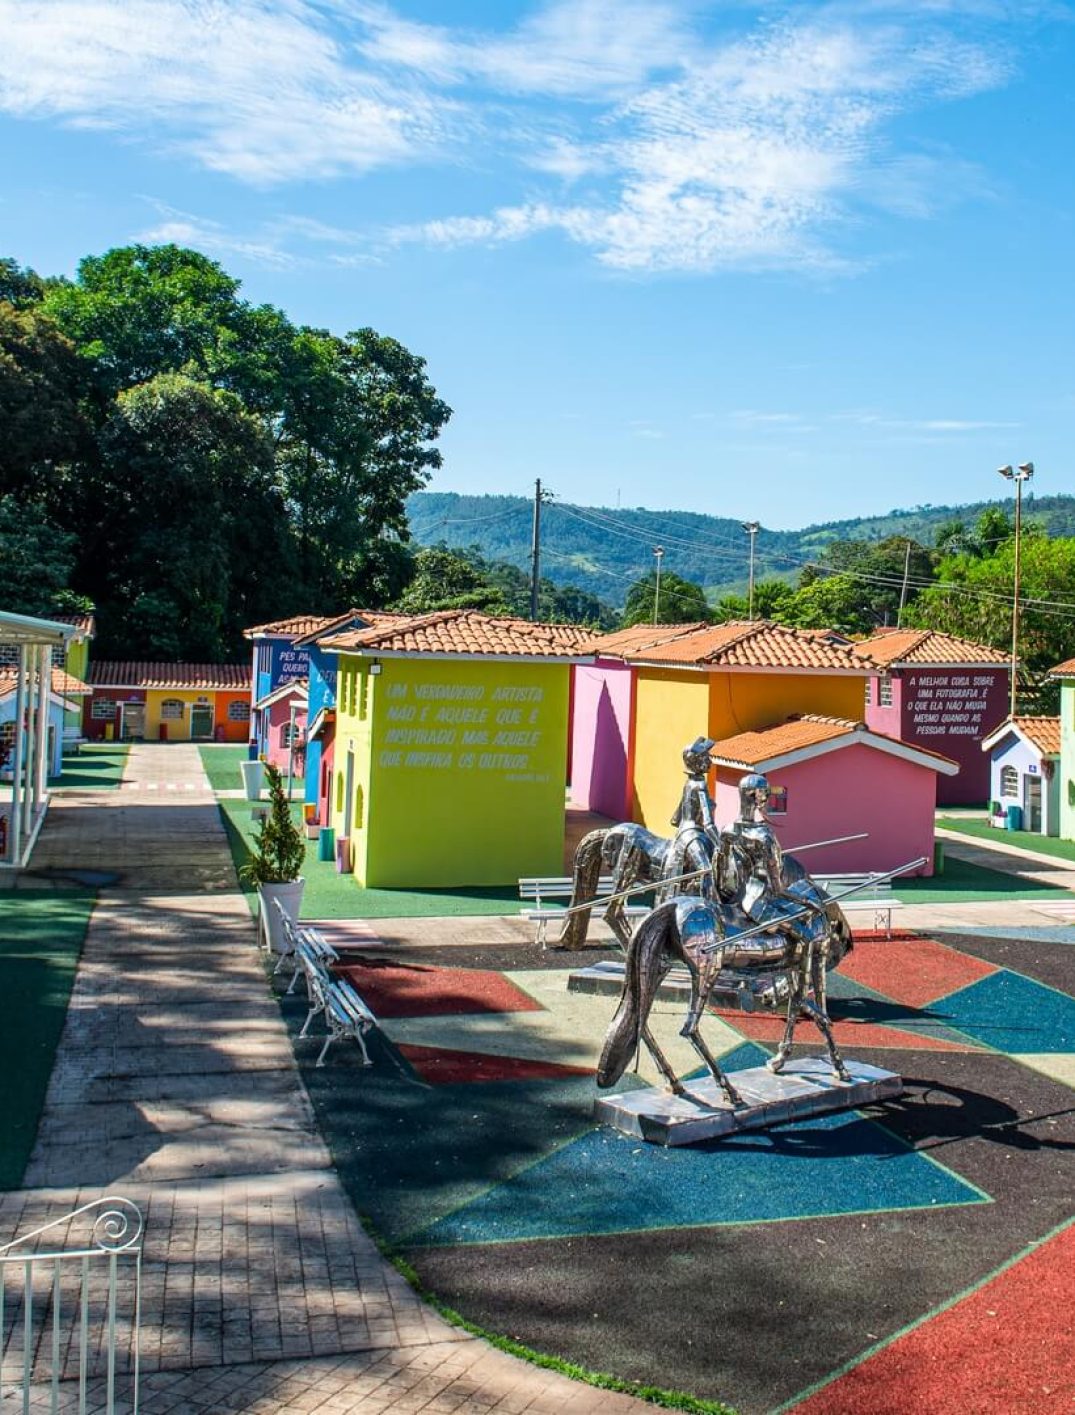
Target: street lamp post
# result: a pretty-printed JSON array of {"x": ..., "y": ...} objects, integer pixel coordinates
[
  {"x": 752, "y": 528},
  {"x": 1022, "y": 473},
  {"x": 658, "y": 551}
]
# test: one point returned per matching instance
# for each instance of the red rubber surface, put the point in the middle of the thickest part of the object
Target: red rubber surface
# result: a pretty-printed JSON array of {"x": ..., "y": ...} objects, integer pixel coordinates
[
  {"x": 916, "y": 972},
  {"x": 441, "y": 1067},
  {"x": 418, "y": 990},
  {"x": 1008, "y": 1347},
  {"x": 764, "y": 1027}
]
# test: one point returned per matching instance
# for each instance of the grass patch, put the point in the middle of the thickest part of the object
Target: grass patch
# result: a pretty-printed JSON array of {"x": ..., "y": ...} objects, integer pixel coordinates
[
  {"x": 1023, "y": 839},
  {"x": 964, "y": 883},
  {"x": 221, "y": 762},
  {"x": 97, "y": 767},
  {"x": 41, "y": 934},
  {"x": 329, "y": 895}
]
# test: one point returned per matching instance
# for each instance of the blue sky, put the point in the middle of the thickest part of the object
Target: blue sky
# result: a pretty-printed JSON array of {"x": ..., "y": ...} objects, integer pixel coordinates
[{"x": 782, "y": 262}]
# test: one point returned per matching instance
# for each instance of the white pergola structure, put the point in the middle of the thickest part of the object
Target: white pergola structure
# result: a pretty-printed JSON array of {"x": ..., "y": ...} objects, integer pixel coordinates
[{"x": 34, "y": 640}]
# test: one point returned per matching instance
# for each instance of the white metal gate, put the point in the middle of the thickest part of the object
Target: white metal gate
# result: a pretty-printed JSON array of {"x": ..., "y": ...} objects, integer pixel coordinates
[{"x": 69, "y": 1314}]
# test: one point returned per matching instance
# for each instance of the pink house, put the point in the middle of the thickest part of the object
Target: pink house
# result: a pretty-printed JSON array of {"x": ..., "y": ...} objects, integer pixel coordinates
[
  {"x": 941, "y": 693},
  {"x": 602, "y": 712},
  {"x": 830, "y": 777},
  {"x": 284, "y": 724}
]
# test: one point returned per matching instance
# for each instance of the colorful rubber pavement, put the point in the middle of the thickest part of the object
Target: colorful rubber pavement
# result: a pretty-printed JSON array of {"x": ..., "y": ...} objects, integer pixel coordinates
[{"x": 916, "y": 1256}]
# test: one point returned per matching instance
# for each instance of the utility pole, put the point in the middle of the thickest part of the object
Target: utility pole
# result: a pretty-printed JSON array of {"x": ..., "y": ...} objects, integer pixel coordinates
[
  {"x": 1024, "y": 472},
  {"x": 535, "y": 549},
  {"x": 903, "y": 588},
  {"x": 752, "y": 528},
  {"x": 658, "y": 551}
]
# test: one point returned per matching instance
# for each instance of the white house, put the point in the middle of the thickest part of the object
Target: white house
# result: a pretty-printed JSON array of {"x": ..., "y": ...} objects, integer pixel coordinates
[
  {"x": 65, "y": 697},
  {"x": 1024, "y": 771}
]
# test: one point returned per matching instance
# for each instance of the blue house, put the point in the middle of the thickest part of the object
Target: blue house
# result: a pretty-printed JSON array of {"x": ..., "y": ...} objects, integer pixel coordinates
[
  {"x": 321, "y": 710},
  {"x": 277, "y": 660}
]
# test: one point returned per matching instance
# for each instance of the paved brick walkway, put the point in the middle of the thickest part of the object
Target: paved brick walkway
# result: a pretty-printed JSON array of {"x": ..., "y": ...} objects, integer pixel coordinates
[{"x": 175, "y": 1085}]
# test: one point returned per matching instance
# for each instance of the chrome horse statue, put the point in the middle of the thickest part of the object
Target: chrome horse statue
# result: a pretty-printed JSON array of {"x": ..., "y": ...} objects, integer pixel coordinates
[
  {"x": 763, "y": 915},
  {"x": 633, "y": 856}
]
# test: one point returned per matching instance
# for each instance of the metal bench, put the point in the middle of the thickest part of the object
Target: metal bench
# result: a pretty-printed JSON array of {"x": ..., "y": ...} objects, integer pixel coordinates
[
  {"x": 542, "y": 887},
  {"x": 293, "y": 934},
  {"x": 345, "y": 1013},
  {"x": 878, "y": 897}
]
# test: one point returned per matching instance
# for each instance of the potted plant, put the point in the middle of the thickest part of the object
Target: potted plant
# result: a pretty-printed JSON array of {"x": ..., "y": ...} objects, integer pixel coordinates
[{"x": 276, "y": 864}]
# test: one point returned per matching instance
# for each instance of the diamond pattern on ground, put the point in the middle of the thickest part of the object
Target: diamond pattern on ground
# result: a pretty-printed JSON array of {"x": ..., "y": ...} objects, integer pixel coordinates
[
  {"x": 1012, "y": 1014},
  {"x": 397, "y": 989},
  {"x": 914, "y": 971},
  {"x": 441, "y": 1067}
]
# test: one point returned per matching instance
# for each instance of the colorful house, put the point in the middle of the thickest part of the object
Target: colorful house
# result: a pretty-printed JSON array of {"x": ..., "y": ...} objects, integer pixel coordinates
[
  {"x": 830, "y": 777},
  {"x": 175, "y": 702},
  {"x": 450, "y": 757},
  {"x": 687, "y": 680},
  {"x": 73, "y": 657},
  {"x": 283, "y": 713},
  {"x": 1065, "y": 672},
  {"x": 321, "y": 706},
  {"x": 1024, "y": 761},
  {"x": 65, "y": 695},
  {"x": 941, "y": 693},
  {"x": 278, "y": 659}
]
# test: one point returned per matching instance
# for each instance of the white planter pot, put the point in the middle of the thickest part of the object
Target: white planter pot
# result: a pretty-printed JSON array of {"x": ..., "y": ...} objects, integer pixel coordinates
[
  {"x": 290, "y": 897},
  {"x": 253, "y": 779}
]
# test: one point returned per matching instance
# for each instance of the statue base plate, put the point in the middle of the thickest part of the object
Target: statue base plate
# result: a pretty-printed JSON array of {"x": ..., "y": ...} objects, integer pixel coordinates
[
  {"x": 744, "y": 991},
  {"x": 802, "y": 1089}
]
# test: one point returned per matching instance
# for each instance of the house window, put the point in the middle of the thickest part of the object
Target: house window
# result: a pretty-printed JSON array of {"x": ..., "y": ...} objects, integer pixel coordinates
[
  {"x": 1009, "y": 781},
  {"x": 885, "y": 690},
  {"x": 339, "y": 792},
  {"x": 239, "y": 710},
  {"x": 363, "y": 692},
  {"x": 869, "y": 691},
  {"x": 7, "y": 741},
  {"x": 778, "y": 801},
  {"x": 103, "y": 709},
  {"x": 172, "y": 710},
  {"x": 290, "y": 734},
  {"x": 360, "y": 801}
]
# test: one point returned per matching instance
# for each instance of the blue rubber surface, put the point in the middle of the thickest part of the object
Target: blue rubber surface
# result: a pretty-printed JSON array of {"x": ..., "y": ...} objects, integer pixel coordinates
[{"x": 1012, "y": 1014}]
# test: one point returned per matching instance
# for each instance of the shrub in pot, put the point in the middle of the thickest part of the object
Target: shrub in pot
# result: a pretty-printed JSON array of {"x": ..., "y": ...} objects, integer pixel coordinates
[{"x": 275, "y": 865}]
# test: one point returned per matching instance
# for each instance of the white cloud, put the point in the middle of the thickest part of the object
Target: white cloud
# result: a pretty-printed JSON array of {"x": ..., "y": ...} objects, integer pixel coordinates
[
  {"x": 258, "y": 89},
  {"x": 866, "y": 418},
  {"x": 213, "y": 238},
  {"x": 684, "y": 152}
]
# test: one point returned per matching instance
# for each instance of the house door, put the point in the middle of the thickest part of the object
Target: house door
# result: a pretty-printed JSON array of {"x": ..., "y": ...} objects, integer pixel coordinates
[
  {"x": 1032, "y": 802},
  {"x": 349, "y": 795},
  {"x": 201, "y": 721},
  {"x": 132, "y": 721}
]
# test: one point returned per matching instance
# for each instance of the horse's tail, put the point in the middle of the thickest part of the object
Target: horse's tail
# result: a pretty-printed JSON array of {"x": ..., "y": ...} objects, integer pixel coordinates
[
  {"x": 588, "y": 859},
  {"x": 644, "y": 970}
]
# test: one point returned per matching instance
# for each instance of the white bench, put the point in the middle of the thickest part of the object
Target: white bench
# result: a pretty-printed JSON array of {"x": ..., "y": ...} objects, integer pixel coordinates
[
  {"x": 542, "y": 887},
  {"x": 344, "y": 1012},
  {"x": 878, "y": 897},
  {"x": 292, "y": 935}
]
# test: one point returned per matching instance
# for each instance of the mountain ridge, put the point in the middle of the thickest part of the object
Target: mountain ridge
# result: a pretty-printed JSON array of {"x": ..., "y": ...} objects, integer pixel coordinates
[{"x": 604, "y": 550}]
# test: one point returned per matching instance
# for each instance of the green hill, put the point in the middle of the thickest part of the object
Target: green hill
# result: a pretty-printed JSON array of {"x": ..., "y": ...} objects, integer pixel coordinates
[{"x": 604, "y": 550}]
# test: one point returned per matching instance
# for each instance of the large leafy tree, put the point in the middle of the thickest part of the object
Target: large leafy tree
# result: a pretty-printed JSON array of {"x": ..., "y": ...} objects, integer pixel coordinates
[
  {"x": 680, "y": 602},
  {"x": 448, "y": 579},
  {"x": 36, "y": 559},
  {"x": 194, "y": 546},
  {"x": 42, "y": 386}
]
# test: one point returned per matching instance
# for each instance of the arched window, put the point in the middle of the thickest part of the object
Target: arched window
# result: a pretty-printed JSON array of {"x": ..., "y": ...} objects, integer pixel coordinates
[
  {"x": 172, "y": 710},
  {"x": 1009, "y": 781}
]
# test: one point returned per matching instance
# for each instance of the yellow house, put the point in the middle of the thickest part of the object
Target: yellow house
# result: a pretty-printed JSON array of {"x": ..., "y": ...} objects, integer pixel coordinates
[
  {"x": 450, "y": 753},
  {"x": 720, "y": 680},
  {"x": 174, "y": 702}
]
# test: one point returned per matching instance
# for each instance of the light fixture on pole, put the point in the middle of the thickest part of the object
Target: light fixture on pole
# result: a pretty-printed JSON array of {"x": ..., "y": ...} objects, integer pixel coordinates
[
  {"x": 752, "y": 528},
  {"x": 658, "y": 551},
  {"x": 1022, "y": 473}
]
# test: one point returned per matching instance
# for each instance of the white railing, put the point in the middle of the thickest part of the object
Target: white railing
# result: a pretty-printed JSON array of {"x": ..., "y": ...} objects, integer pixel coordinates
[{"x": 66, "y": 1313}]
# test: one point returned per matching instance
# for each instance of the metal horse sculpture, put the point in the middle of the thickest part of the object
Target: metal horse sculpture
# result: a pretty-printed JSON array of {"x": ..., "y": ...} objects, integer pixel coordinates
[
  {"x": 632, "y": 855},
  {"x": 704, "y": 936}
]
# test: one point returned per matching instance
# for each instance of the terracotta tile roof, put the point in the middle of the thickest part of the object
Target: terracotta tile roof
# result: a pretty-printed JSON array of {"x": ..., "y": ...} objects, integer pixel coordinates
[
  {"x": 760, "y": 644},
  {"x": 622, "y": 642},
  {"x": 464, "y": 631},
  {"x": 295, "y": 626},
  {"x": 1063, "y": 670},
  {"x": 753, "y": 749},
  {"x": 899, "y": 646},
  {"x": 375, "y": 618},
  {"x": 64, "y": 685},
  {"x": 200, "y": 676},
  {"x": 86, "y": 624},
  {"x": 1041, "y": 732}
]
